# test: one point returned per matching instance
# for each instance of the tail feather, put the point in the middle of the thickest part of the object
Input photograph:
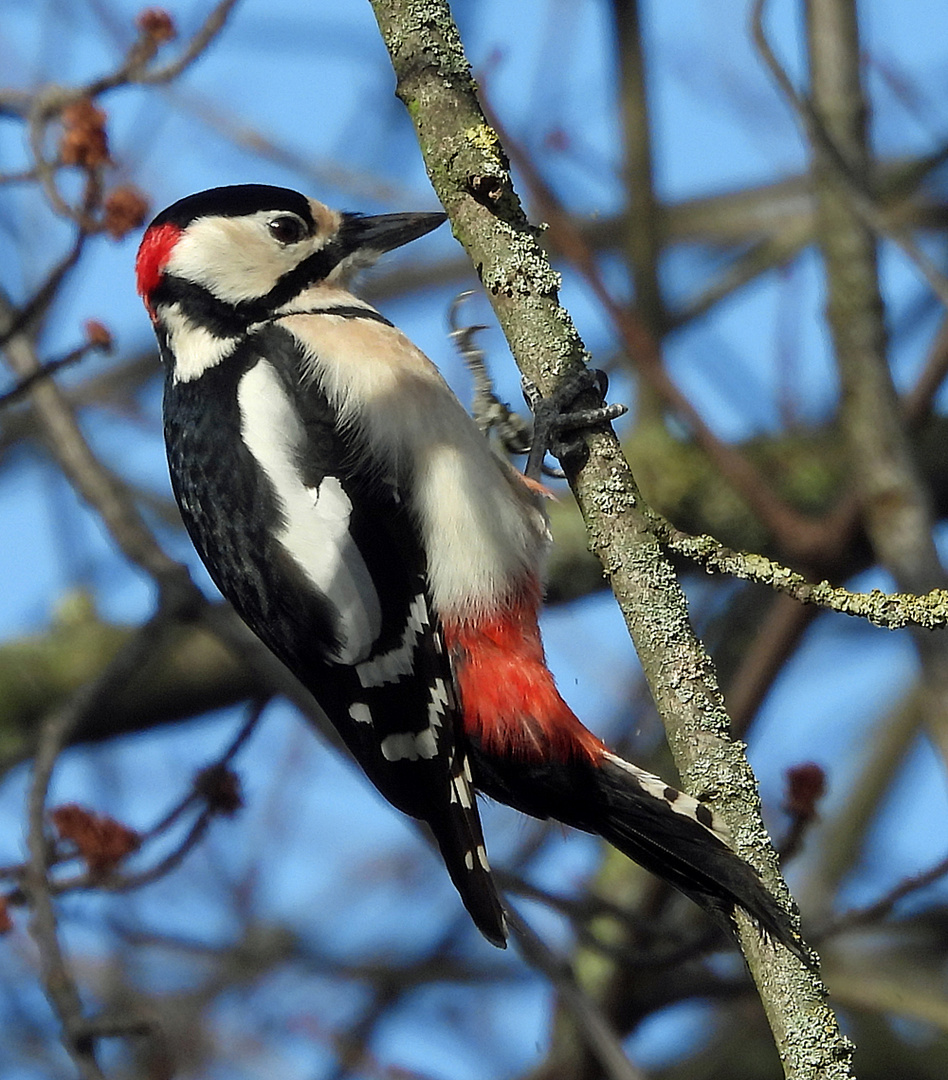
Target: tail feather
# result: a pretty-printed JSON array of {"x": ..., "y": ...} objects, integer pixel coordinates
[
  {"x": 676, "y": 837},
  {"x": 662, "y": 829},
  {"x": 462, "y": 847}
]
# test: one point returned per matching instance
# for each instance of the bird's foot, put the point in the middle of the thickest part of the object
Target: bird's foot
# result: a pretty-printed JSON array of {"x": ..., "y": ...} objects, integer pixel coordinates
[{"x": 558, "y": 424}]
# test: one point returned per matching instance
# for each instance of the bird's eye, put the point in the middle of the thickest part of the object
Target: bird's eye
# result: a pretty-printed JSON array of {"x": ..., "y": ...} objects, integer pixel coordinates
[{"x": 287, "y": 229}]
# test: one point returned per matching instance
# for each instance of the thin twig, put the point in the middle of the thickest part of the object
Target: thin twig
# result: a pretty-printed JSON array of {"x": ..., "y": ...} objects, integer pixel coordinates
[
  {"x": 16, "y": 320},
  {"x": 58, "y": 981},
  {"x": 595, "y": 1028},
  {"x": 91, "y": 479},
  {"x": 46, "y": 371},
  {"x": 79, "y": 1034},
  {"x": 244, "y": 732},
  {"x": 115, "y": 881},
  {"x": 205, "y": 35},
  {"x": 388, "y": 987},
  {"x": 917, "y": 403},
  {"x": 48, "y": 104},
  {"x": 882, "y": 907},
  {"x": 797, "y": 535}
]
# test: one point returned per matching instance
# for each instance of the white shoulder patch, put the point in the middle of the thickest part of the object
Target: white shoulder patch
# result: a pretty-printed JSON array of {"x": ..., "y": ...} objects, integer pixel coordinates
[
  {"x": 483, "y": 531},
  {"x": 315, "y": 530}
]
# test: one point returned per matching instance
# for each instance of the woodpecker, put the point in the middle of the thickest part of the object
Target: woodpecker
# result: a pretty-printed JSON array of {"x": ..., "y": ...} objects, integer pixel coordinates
[{"x": 354, "y": 515}]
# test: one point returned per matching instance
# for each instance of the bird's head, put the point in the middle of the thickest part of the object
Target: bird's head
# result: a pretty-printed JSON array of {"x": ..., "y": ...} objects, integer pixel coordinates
[{"x": 240, "y": 253}]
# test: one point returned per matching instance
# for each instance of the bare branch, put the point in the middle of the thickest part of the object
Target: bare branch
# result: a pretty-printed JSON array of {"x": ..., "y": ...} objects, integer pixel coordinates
[
  {"x": 86, "y": 473},
  {"x": 134, "y": 69},
  {"x": 51, "y": 102},
  {"x": 882, "y": 907},
  {"x": 795, "y": 533},
  {"x": 79, "y": 1033},
  {"x": 47, "y": 370},
  {"x": 861, "y": 197}
]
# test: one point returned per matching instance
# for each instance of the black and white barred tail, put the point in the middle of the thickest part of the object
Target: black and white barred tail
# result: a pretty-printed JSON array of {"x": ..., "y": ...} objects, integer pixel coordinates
[{"x": 662, "y": 829}]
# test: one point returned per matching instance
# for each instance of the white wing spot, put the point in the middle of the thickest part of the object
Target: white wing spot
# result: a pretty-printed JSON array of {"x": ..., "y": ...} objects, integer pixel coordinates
[
  {"x": 410, "y": 747},
  {"x": 469, "y": 860},
  {"x": 482, "y": 857},
  {"x": 438, "y": 703},
  {"x": 360, "y": 712},
  {"x": 427, "y": 743},
  {"x": 390, "y": 666},
  {"x": 461, "y": 792}
]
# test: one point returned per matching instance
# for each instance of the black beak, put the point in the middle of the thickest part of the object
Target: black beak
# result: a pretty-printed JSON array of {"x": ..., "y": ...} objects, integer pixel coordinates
[{"x": 385, "y": 232}]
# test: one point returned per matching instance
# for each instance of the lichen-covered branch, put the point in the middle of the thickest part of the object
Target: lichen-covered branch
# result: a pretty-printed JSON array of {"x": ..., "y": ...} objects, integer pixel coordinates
[
  {"x": 469, "y": 171},
  {"x": 890, "y": 610}
]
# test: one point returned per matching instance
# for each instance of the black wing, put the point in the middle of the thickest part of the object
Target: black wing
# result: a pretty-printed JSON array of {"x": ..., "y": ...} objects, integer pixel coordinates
[{"x": 318, "y": 554}]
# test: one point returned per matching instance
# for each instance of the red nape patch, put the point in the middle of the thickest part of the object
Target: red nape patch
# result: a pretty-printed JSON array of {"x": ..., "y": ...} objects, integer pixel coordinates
[
  {"x": 509, "y": 701},
  {"x": 153, "y": 255}
]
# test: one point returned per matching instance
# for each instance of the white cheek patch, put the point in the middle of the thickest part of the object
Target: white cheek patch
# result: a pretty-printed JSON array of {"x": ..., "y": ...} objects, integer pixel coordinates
[
  {"x": 236, "y": 258},
  {"x": 315, "y": 530},
  {"x": 194, "y": 349},
  {"x": 391, "y": 666}
]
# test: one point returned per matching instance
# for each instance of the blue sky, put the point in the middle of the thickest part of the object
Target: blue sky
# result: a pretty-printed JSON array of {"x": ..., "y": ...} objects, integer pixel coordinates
[{"x": 314, "y": 78}]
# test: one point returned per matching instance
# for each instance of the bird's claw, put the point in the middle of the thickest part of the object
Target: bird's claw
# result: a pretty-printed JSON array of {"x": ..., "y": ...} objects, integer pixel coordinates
[
  {"x": 556, "y": 415},
  {"x": 490, "y": 413},
  {"x": 553, "y": 416}
]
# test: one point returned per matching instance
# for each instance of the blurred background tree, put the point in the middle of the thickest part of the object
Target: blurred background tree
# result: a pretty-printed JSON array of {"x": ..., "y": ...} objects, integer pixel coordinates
[{"x": 746, "y": 270}]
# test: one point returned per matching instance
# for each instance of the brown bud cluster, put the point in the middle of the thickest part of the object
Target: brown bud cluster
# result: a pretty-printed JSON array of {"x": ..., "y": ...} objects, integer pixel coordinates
[
  {"x": 124, "y": 208},
  {"x": 101, "y": 841},
  {"x": 220, "y": 788},
  {"x": 806, "y": 785},
  {"x": 98, "y": 335},
  {"x": 156, "y": 24},
  {"x": 84, "y": 141}
]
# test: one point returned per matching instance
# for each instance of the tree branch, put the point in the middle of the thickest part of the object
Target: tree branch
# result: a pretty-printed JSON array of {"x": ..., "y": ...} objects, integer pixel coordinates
[
  {"x": 889, "y": 610},
  {"x": 469, "y": 171}
]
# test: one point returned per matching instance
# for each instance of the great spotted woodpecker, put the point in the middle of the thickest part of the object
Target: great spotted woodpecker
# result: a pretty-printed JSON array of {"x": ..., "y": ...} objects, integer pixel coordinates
[{"x": 354, "y": 515}]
